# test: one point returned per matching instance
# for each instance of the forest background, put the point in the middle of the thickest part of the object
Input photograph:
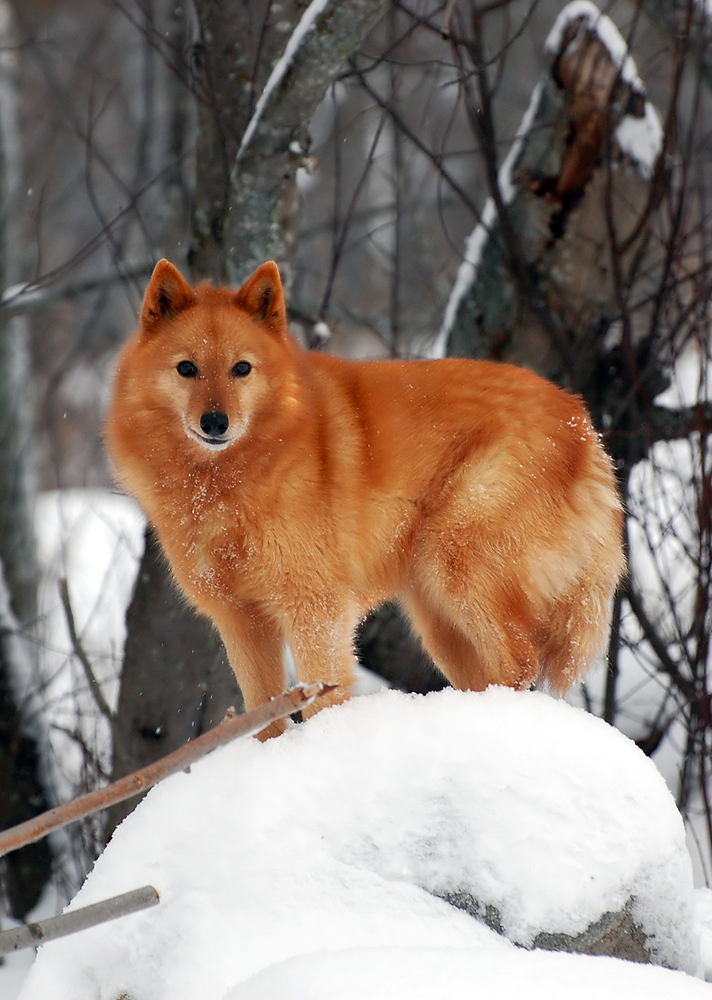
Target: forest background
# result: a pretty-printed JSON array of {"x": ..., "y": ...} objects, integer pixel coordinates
[{"x": 482, "y": 179}]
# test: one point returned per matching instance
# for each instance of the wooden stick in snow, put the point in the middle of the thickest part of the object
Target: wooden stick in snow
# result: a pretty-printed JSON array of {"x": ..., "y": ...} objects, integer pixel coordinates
[
  {"x": 232, "y": 726},
  {"x": 35, "y": 934}
]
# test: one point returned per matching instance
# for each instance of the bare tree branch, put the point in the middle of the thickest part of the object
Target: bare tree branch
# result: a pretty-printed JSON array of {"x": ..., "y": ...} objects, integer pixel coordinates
[
  {"x": 78, "y": 648},
  {"x": 299, "y": 698},
  {"x": 34, "y": 934},
  {"x": 34, "y": 296},
  {"x": 692, "y": 21},
  {"x": 660, "y": 648}
]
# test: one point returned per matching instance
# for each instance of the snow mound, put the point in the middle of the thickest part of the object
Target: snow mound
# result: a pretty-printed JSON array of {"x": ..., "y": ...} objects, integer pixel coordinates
[
  {"x": 438, "y": 973},
  {"x": 334, "y": 837}
]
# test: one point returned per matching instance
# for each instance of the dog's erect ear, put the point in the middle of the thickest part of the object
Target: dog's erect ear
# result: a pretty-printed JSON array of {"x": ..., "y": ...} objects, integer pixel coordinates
[
  {"x": 168, "y": 294},
  {"x": 262, "y": 297}
]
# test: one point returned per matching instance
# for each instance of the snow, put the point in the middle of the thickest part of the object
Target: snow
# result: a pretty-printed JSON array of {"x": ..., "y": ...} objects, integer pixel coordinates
[
  {"x": 703, "y": 916},
  {"x": 94, "y": 539},
  {"x": 641, "y": 139},
  {"x": 306, "y": 866},
  {"x": 436, "y": 973}
]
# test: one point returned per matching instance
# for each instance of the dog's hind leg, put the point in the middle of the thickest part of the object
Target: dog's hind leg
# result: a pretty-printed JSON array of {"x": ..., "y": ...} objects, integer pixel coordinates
[
  {"x": 475, "y": 637},
  {"x": 451, "y": 651}
]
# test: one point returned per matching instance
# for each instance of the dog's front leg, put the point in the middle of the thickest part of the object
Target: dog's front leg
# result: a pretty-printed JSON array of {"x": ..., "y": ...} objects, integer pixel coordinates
[
  {"x": 254, "y": 645},
  {"x": 321, "y": 637}
]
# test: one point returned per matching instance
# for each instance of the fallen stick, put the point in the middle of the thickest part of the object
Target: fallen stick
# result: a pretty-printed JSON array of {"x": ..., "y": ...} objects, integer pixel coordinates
[
  {"x": 34, "y": 934},
  {"x": 232, "y": 726}
]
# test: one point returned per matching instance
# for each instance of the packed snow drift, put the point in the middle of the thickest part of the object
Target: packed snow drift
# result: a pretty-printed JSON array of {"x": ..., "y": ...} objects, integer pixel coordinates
[{"x": 307, "y": 866}]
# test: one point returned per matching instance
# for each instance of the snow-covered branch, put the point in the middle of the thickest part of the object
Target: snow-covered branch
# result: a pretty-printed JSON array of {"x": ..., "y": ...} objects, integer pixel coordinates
[
  {"x": 545, "y": 270},
  {"x": 263, "y": 202},
  {"x": 306, "y": 23}
]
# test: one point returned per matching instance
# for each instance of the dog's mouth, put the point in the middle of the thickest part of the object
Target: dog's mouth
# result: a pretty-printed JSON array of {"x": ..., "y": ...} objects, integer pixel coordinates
[{"x": 214, "y": 443}]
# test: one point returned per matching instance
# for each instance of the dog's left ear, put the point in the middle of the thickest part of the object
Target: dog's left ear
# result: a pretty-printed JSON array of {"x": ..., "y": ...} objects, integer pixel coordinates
[
  {"x": 262, "y": 297},
  {"x": 168, "y": 294}
]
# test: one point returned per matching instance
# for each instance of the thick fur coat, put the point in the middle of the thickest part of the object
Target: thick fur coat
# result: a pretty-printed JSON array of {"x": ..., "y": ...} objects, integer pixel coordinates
[{"x": 294, "y": 491}]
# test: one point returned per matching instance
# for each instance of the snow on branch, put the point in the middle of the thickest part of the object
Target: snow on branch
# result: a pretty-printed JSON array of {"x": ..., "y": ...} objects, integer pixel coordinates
[
  {"x": 588, "y": 110},
  {"x": 482, "y": 231},
  {"x": 306, "y": 24},
  {"x": 585, "y": 13},
  {"x": 639, "y": 132},
  {"x": 262, "y": 221}
]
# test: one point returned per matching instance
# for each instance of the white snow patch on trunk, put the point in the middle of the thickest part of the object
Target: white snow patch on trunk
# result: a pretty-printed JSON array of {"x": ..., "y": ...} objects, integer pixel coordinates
[
  {"x": 281, "y": 67},
  {"x": 477, "y": 239},
  {"x": 641, "y": 139}
]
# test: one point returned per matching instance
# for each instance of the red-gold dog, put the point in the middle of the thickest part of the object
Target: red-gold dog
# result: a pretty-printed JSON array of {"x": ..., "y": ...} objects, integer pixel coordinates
[{"x": 293, "y": 491}]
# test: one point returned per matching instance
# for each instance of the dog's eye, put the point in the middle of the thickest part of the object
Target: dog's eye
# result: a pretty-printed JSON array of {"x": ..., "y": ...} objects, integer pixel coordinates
[
  {"x": 187, "y": 369},
  {"x": 242, "y": 368}
]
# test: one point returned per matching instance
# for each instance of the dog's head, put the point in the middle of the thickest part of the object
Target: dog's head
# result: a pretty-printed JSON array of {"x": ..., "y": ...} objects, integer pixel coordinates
[{"x": 206, "y": 363}]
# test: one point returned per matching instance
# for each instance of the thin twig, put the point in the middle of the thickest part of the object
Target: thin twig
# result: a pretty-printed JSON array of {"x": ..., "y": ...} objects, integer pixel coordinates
[
  {"x": 34, "y": 934},
  {"x": 32, "y": 297},
  {"x": 686, "y": 687},
  {"x": 232, "y": 726},
  {"x": 80, "y": 652}
]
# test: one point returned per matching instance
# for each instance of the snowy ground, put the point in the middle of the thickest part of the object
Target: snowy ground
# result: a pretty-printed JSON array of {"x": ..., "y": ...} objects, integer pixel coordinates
[{"x": 307, "y": 867}]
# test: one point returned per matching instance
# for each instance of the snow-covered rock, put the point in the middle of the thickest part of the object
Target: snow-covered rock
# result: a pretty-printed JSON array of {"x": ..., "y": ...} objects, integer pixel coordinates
[{"x": 324, "y": 849}]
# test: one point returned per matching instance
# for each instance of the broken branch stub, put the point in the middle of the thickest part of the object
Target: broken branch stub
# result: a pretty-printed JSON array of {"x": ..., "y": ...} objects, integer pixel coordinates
[
  {"x": 577, "y": 186},
  {"x": 37, "y": 933}
]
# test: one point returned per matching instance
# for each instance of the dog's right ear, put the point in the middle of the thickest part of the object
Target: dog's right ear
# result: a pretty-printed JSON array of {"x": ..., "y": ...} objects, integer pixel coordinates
[
  {"x": 168, "y": 294},
  {"x": 262, "y": 297}
]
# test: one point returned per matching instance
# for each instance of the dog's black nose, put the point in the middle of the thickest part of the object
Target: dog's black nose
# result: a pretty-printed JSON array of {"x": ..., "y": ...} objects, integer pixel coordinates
[{"x": 214, "y": 424}]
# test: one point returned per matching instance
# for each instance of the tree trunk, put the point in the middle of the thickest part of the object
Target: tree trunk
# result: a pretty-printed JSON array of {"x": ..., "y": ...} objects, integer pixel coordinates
[
  {"x": 557, "y": 250},
  {"x": 21, "y": 792},
  {"x": 175, "y": 679},
  {"x": 17, "y": 540},
  {"x": 22, "y": 797}
]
